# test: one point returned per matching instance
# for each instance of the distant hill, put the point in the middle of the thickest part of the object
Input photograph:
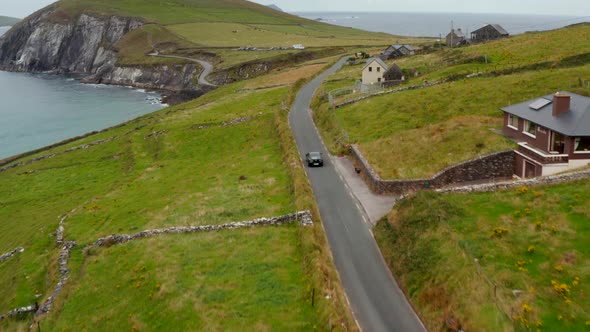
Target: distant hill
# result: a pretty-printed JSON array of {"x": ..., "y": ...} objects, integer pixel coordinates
[
  {"x": 275, "y": 7},
  {"x": 8, "y": 21}
]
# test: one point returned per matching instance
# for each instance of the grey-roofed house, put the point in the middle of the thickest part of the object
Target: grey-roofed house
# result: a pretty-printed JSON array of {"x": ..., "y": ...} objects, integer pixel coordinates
[
  {"x": 553, "y": 133},
  {"x": 396, "y": 51},
  {"x": 373, "y": 71},
  {"x": 456, "y": 38},
  {"x": 489, "y": 32}
]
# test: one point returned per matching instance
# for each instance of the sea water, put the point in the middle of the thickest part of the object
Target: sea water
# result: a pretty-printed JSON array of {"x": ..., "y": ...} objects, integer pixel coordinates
[
  {"x": 37, "y": 110},
  {"x": 439, "y": 24}
]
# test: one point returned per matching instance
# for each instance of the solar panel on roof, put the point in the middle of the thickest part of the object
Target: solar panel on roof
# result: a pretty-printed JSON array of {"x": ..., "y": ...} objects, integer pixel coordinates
[{"x": 540, "y": 103}]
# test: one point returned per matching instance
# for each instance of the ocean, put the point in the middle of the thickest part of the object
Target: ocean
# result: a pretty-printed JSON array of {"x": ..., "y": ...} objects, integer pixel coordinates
[
  {"x": 439, "y": 24},
  {"x": 37, "y": 110}
]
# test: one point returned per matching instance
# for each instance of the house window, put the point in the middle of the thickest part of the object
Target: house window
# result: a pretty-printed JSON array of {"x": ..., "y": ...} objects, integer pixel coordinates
[
  {"x": 370, "y": 68},
  {"x": 378, "y": 79},
  {"x": 582, "y": 144},
  {"x": 530, "y": 128},
  {"x": 378, "y": 69},
  {"x": 513, "y": 121}
]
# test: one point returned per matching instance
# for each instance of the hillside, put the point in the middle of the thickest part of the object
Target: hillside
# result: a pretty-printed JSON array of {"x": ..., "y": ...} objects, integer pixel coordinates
[
  {"x": 512, "y": 260},
  {"x": 115, "y": 41},
  {"x": 417, "y": 133},
  {"x": 8, "y": 21},
  {"x": 225, "y": 157}
]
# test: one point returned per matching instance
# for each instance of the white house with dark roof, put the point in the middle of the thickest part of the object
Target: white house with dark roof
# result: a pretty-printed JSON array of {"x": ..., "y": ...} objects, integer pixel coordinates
[
  {"x": 373, "y": 71},
  {"x": 553, "y": 133},
  {"x": 456, "y": 38}
]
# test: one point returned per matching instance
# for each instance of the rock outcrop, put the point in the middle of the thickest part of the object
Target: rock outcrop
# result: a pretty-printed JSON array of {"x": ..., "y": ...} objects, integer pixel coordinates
[{"x": 85, "y": 45}]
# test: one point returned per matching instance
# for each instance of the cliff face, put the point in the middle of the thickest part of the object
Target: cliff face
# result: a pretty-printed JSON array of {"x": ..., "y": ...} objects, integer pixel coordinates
[{"x": 85, "y": 46}]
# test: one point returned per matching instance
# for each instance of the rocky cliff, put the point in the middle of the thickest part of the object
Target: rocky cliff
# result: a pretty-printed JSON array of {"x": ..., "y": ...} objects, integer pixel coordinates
[{"x": 85, "y": 45}]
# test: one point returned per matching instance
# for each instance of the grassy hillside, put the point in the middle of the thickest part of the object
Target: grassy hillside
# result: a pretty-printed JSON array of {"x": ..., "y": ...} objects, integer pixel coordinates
[
  {"x": 449, "y": 123},
  {"x": 185, "y": 165},
  {"x": 514, "y": 260},
  {"x": 213, "y": 30},
  {"x": 8, "y": 21}
]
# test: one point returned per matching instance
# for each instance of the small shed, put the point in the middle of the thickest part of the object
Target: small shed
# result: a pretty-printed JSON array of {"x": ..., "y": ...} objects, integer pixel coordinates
[
  {"x": 373, "y": 71},
  {"x": 489, "y": 32},
  {"x": 394, "y": 73},
  {"x": 456, "y": 38}
]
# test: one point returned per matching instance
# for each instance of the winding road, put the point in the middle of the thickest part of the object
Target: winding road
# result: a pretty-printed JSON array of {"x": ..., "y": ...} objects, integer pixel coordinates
[
  {"x": 377, "y": 302},
  {"x": 207, "y": 67}
]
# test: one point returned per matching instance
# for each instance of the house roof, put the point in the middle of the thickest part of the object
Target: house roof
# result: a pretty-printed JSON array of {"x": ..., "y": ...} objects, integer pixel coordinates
[
  {"x": 576, "y": 122},
  {"x": 457, "y": 32},
  {"x": 497, "y": 27},
  {"x": 378, "y": 60}
]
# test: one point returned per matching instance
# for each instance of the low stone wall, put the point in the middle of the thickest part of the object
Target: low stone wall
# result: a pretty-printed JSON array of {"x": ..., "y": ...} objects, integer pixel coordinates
[
  {"x": 9, "y": 254},
  {"x": 64, "y": 274},
  {"x": 548, "y": 180},
  {"x": 51, "y": 155},
  {"x": 303, "y": 217},
  {"x": 412, "y": 87},
  {"x": 18, "y": 311},
  {"x": 492, "y": 167}
]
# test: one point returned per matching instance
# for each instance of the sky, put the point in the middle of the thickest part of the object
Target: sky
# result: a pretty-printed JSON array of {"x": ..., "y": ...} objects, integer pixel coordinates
[{"x": 23, "y": 8}]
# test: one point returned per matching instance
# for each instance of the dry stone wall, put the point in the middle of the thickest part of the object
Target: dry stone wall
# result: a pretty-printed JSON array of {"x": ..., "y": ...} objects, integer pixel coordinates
[
  {"x": 64, "y": 274},
  {"x": 18, "y": 311},
  {"x": 496, "y": 166},
  {"x": 9, "y": 254},
  {"x": 548, "y": 180},
  {"x": 304, "y": 217}
]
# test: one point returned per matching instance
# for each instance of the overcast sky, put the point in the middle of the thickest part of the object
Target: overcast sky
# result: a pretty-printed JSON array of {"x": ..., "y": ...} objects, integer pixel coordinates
[
  {"x": 551, "y": 7},
  {"x": 22, "y": 8}
]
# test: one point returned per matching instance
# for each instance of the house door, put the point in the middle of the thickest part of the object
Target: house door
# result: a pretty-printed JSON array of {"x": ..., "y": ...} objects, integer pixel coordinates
[
  {"x": 557, "y": 142},
  {"x": 529, "y": 170}
]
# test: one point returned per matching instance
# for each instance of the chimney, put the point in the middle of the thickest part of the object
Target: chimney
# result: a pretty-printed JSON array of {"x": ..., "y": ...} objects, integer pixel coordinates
[{"x": 561, "y": 103}]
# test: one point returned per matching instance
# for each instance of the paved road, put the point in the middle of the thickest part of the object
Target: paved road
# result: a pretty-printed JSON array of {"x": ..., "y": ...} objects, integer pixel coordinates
[
  {"x": 207, "y": 67},
  {"x": 376, "y": 301}
]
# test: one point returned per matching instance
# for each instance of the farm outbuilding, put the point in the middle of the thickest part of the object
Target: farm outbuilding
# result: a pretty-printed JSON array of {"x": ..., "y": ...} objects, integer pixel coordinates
[{"x": 489, "y": 32}]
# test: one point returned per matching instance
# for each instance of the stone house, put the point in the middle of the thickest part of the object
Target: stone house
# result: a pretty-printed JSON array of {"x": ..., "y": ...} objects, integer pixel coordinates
[
  {"x": 488, "y": 32},
  {"x": 456, "y": 38},
  {"x": 553, "y": 134},
  {"x": 396, "y": 51},
  {"x": 373, "y": 71}
]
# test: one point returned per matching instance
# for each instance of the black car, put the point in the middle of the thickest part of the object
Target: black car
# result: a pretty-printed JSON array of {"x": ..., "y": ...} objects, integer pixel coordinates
[{"x": 314, "y": 159}]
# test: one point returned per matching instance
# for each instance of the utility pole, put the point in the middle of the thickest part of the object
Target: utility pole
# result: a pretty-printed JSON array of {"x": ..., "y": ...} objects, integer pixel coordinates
[{"x": 452, "y": 33}]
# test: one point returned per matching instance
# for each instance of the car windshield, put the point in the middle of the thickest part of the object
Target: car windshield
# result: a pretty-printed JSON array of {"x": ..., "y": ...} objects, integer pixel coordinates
[{"x": 315, "y": 155}]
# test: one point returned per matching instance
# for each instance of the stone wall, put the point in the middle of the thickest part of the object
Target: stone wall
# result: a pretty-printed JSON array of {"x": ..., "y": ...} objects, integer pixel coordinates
[
  {"x": 303, "y": 217},
  {"x": 496, "y": 166},
  {"x": 64, "y": 274},
  {"x": 547, "y": 180},
  {"x": 19, "y": 311},
  {"x": 9, "y": 254}
]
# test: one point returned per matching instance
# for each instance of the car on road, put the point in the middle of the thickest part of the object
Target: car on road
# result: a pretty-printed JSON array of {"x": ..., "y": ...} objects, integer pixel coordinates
[{"x": 314, "y": 159}]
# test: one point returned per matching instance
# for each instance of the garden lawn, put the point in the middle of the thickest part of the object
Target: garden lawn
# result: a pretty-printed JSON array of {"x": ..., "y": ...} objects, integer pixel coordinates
[{"x": 449, "y": 250}]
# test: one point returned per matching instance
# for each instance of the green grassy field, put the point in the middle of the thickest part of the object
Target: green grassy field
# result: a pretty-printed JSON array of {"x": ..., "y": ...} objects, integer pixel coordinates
[
  {"x": 503, "y": 261},
  {"x": 184, "y": 165},
  {"x": 216, "y": 27},
  {"x": 449, "y": 123}
]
